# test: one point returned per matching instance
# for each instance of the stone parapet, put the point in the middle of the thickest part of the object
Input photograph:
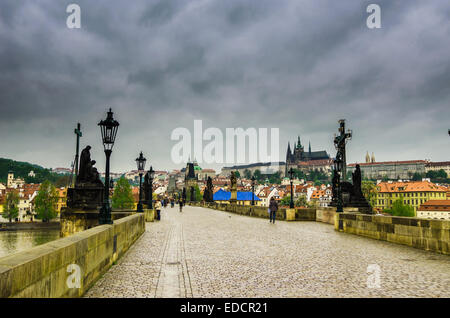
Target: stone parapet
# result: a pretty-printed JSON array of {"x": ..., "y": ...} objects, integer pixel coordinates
[
  {"x": 74, "y": 220},
  {"x": 52, "y": 269},
  {"x": 149, "y": 215},
  {"x": 430, "y": 235}
]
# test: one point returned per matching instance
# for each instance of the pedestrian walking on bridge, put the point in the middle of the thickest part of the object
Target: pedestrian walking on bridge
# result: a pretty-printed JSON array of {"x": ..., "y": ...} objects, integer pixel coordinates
[
  {"x": 273, "y": 207},
  {"x": 158, "y": 210},
  {"x": 180, "y": 203}
]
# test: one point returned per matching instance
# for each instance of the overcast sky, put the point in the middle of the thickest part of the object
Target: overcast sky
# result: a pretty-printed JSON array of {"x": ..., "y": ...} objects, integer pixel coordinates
[{"x": 291, "y": 64}]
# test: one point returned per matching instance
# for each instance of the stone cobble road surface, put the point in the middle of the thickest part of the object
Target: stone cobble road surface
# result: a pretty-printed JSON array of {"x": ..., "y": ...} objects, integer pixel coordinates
[{"x": 208, "y": 253}]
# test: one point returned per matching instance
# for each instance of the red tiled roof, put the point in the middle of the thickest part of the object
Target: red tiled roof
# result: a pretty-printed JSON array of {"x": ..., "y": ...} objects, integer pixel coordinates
[
  {"x": 435, "y": 205},
  {"x": 412, "y": 186}
]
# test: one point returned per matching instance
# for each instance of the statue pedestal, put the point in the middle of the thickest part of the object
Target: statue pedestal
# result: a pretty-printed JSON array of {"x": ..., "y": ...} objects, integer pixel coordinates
[
  {"x": 149, "y": 215},
  {"x": 233, "y": 198},
  {"x": 85, "y": 197},
  {"x": 290, "y": 214},
  {"x": 77, "y": 220}
]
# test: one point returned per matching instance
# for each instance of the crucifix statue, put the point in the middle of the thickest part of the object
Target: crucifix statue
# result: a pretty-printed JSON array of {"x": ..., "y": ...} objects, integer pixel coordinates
[
  {"x": 340, "y": 165},
  {"x": 339, "y": 143}
]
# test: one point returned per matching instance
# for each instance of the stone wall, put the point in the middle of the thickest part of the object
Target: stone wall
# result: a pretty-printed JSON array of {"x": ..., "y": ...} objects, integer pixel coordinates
[
  {"x": 430, "y": 235},
  {"x": 74, "y": 221},
  {"x": 258, "y": 211},
  {"x": 46, "y": 270}
]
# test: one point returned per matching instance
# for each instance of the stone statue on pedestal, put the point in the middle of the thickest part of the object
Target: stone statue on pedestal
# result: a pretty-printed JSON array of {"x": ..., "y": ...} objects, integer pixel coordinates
[
  {"x": 208, "y": 193},
  {"x": 89, "y": 189},
  {"x": 233, "y": 188}
]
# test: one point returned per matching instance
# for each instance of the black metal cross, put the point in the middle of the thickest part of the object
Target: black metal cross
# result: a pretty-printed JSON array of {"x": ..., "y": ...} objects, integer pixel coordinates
[{"x": 79, "y": 134}]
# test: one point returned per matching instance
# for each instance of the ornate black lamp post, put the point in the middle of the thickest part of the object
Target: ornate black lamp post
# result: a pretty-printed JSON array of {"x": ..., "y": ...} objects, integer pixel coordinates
[
  {"x": 108, "y": 129},
  {"x": 253, "y": 190},
  {"x": 140, "y": 162},
  {"x": 151, "y": 175},
  {"x": 291, "y": 174}
]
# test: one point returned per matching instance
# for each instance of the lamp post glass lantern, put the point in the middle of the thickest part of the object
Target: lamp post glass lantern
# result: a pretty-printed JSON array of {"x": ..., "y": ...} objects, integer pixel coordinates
[
  {"x": 140, "y": 162},
  {"x": 108, "y": 128},
  {"x": 151, "y": 175},
  {"x": 291, "y": 174}
]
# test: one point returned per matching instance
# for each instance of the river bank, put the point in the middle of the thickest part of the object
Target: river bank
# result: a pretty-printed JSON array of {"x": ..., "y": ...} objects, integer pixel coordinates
[{"x": 26, "y": 226}]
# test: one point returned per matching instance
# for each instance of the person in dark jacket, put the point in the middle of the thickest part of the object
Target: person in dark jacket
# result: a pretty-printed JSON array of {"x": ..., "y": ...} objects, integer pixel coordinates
[
  {"x": 273, "y": 207},
  {"x": 180, "y": 203}
]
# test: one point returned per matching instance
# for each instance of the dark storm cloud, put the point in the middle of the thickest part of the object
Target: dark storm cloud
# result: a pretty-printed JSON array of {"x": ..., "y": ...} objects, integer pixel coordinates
[{"x": 296, "y": 65}]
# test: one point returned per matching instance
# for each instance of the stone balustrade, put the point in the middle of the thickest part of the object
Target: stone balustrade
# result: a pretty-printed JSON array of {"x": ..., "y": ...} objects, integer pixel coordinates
[
  {"x": 55, "y": 268},
  {"x": 430, "y": 235}
]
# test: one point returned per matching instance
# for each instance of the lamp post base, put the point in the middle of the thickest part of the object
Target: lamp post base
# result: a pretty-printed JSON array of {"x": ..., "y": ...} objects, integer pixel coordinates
[
  {"x": 140, "y": 208},
  {"x": 105, "y": 215}
]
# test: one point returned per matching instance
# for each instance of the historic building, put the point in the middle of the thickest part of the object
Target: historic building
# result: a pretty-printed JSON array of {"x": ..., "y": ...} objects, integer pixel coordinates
[
  {"x": 434, "y": 209},
  {"x": 414, "y": 193},
  {"x": 191, "y": 178},
  {"x": 389, "y": 169},
  {"x": 436, "y": 166},
  {"x": 263, "y": 167},
  {"x": 306, "y": 161}
]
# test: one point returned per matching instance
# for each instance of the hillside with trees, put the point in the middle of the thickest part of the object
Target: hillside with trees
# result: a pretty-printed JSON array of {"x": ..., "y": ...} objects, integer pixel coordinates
[{"x": 22, "y": 169}]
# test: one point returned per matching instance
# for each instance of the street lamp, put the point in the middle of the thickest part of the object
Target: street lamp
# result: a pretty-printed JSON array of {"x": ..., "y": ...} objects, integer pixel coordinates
[
  {"x": 291, "y": 174},
  {"x": 151, "y": 175},
  {"x": 140, "y": 162},
  {"x": 108, "y": 128},
  {"x": 253, "y": 190}
]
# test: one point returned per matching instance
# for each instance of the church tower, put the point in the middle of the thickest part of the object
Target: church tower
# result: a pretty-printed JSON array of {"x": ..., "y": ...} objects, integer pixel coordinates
[
  {"x": 373, "y": 158},
  {"x": 367, "y": 157},
  {"x": 10, "y": 180},
  {"x": 288, "y": 153}
]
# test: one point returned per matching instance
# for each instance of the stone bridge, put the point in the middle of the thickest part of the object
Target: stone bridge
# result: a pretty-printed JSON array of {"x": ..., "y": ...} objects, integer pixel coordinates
[{"x": 203, "y": 252}]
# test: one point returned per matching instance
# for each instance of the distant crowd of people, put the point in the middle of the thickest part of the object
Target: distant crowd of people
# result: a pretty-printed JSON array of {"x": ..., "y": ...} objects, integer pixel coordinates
[{"x": 160, "y": 203}]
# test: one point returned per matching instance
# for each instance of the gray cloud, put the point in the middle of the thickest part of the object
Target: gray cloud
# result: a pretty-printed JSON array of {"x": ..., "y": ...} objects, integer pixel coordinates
[{"x": 296, "y": 65}]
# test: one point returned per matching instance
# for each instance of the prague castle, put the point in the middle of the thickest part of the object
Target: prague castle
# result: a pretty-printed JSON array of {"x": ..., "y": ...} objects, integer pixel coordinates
[{"x": 307, "y": 160}]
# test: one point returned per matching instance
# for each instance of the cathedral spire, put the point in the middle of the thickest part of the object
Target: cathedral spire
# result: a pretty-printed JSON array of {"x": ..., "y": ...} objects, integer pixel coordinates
[
  {"x": 309, "y": 148},
  {"x": 299, "y": 144},
  {"x": 288, "y": 153}
]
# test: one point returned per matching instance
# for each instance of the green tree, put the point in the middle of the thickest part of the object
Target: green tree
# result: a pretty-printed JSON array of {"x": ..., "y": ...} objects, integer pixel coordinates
[
  {"x": 258, "y": 176},
  {"x": 441, "y": 174},
  {"x": 11, "y": 209},
  {"x": 247, "y": 174},
  {"x": 237, "y": 174},
  {"x": 400, "y": 209},
  {"x": 417, "y": 176},
  {"x": 286, "y": 200},
  {"x": 299, "y": 174},
  {"x": 46, "y": 201},
  {"x": 301, "y": 201},
  {"x": 275, "y": 178},
  {"x": 370, "y": 190},
  {"x": 122, "y": 197}
]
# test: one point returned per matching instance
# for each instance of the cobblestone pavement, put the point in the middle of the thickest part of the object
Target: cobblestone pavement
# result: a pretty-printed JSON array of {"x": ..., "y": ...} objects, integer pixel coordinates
[{"x": 208, "y": 253}]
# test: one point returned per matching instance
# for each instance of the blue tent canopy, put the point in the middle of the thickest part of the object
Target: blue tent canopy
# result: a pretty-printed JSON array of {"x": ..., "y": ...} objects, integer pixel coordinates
[{"x": 223, "y": 195}]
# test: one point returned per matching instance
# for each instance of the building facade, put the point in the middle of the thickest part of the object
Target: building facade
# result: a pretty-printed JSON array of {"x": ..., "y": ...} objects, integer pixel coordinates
[
  {"x": 436, "y": 166},
  {"x": 389, "y": 169},
  {"x": 306, "y": 161},
  {"x": 435, "y": 209},
  {"x": 414, "y": 193},
  {"x": 263, "y": 167}
]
